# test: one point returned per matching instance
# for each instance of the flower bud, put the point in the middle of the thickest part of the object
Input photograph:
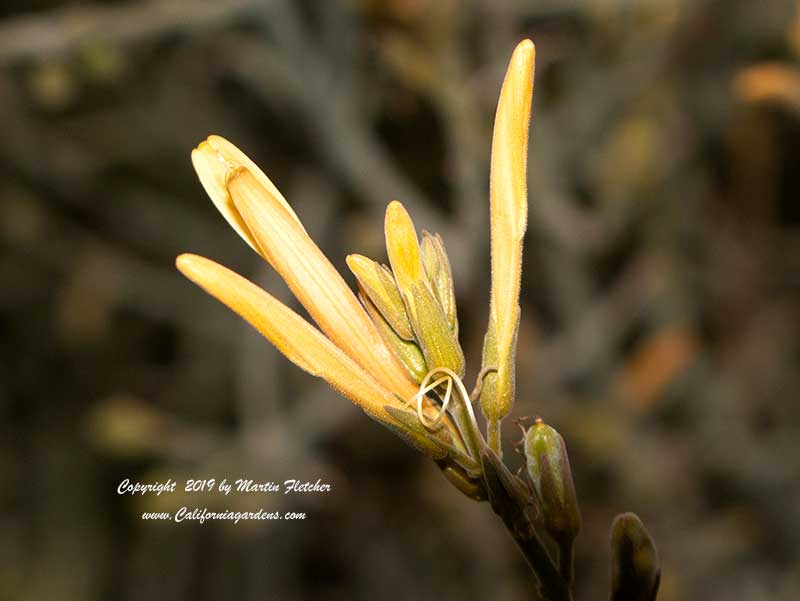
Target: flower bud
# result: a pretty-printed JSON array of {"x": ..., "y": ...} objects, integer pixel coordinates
[
  {"x": 437, "y": 266},
  {"x": 379, "y": 285},
  {"x": 407, "y": 352},
  {"x": 635, "y": 571},
  {"x": 508, "y": 218},
  {"x": 432, "y": 331},
  {"x": 549, "y": 471}
]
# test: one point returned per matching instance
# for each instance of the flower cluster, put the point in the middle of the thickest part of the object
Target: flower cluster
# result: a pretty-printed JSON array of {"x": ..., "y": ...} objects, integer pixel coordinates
[{"x": 393, "y": 347}]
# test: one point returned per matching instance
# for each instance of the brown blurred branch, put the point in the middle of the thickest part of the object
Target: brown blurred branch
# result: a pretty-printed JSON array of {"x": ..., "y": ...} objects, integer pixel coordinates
[{"x": 64, "y": 30}]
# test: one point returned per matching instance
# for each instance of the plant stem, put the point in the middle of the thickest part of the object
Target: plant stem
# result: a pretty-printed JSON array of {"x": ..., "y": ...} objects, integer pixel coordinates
[
  {"x": 493, "y": 436},
  {"x": 552, "y": 585},
  {"x": 510, "y": 501},
  {"x": 472, "y": 437},
  {"x": 566, "y": 561}
]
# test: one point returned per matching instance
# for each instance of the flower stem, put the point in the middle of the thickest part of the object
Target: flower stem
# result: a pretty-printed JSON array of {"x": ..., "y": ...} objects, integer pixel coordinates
[
  {"x": 511, "y": 502},
  {"x": 565, "y": 561},
  {"x": 493, "y": 436}
]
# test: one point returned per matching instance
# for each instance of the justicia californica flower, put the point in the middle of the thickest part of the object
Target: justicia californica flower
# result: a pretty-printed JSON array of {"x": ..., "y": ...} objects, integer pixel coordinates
[{"x": 393, "y": 350}]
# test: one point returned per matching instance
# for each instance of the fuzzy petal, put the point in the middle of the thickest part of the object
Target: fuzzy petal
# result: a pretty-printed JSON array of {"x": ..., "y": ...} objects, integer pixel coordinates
[{"x": 314, "y": 281}]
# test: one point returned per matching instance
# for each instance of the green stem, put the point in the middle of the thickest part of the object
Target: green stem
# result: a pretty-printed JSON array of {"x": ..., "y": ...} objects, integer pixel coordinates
[
  {"x": 471, "y": 435},
  {"x": 551, "y": 584},
  {"x": 510, "y": 501},
  {"x": 493, "y": 435}
]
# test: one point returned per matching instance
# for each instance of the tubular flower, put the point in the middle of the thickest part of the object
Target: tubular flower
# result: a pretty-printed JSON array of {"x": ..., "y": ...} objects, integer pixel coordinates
[
  {"x": 509, "y": 216},
  {"x": 393, "y": 349}
]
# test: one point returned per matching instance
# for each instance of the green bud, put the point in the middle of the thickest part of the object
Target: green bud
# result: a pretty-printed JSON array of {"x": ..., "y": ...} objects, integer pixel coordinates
[
  {"x": 549, "y": 471},
  {"x": 439, "y": 345},
  {"x": 437, "y": 266},
  {"x": 407, "y": 352},
  {"x": 635, "y": 571}
]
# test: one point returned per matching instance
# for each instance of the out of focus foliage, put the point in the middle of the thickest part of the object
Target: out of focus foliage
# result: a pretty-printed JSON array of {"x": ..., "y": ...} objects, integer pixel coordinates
[{"x": 661, "y": 313}]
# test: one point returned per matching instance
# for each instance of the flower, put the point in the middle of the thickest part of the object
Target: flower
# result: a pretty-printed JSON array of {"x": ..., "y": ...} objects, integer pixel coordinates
[
  {"x": 347, "y": 350},
  {"x": 509, "y": 215},
  {"x": 398, "y": 345}
]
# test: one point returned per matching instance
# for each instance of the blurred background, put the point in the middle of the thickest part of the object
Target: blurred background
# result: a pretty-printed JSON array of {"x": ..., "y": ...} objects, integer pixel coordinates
[{"x": 661, "y": 313}]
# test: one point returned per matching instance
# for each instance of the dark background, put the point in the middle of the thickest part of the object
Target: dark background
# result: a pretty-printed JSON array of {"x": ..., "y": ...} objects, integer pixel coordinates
[{"x": 660, "y": 293}]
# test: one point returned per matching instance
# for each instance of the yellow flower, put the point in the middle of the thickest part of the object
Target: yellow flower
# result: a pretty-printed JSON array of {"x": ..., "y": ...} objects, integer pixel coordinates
[
  {"x": 349, "y": 352},
  {"x": 400, "y": 343},
  {"x": 509, "y": 213},
  {"x": 258, "y": 212}
]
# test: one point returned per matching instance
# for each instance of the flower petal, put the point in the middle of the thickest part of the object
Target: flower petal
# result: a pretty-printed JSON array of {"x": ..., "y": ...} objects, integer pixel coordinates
[
  {"x": 293, "y": 336},
  {"x": 212, "y": 169},
  {"x": 314, "y": 281},
  {"x": 213, "y": 159}
]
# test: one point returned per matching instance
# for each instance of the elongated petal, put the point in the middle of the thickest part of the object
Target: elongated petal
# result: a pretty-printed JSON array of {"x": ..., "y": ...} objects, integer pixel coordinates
[
  {"x": 213, "y": 159},
  {"x": 509, "y": 210},
  {"x": 314, "y": 281},
  {"x": 402, "y": 245},
  {"x": 212, "y": 169},
  {"x": 302, "y": 343},
  {"x": 438, "y": 342}
]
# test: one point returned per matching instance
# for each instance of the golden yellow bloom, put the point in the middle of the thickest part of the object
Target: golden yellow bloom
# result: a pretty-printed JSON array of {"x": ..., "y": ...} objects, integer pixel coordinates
[
  {"x": 351, "y": 353},
  {"x": 400, "y": 343},
  {"x": 255, "y": 208},
  {"x": 509, "y": 212}
]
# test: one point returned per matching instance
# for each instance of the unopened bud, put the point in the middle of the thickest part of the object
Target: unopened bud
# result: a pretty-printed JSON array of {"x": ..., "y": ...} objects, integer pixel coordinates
[
  {"x": 635, "y": 571},
  {"x": 437, "y": 266},
  {"x": 379, "y": 285},
  {"x": 549, "y": 471},
  {"x": 438, "y": 342},
  {"x": 407, "y": 352}
]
